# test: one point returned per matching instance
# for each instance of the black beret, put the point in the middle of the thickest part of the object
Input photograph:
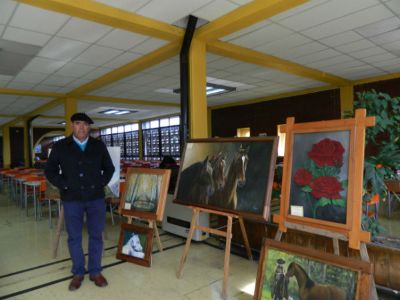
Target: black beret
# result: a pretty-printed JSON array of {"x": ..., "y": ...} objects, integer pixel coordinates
[{"x": 81, "y": 117}]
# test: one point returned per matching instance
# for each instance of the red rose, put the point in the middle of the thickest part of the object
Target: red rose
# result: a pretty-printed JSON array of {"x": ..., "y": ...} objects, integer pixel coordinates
[
  {"x": 302, "y": 177},
  {"x": 327, "y": 187},
  {"x": 327, "y": 153}
]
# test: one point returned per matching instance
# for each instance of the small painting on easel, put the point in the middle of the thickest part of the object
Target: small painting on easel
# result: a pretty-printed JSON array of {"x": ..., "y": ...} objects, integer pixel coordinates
[
  {"x": 230, "y": 175},
  {"x": 145, "y": 193},
  {"x": 135, "y": 244}
]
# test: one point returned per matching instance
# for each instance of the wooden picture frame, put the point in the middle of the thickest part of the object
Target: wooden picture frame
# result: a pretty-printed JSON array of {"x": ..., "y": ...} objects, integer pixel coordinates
[
  {"x": 145, "y": 193},
  {"x": 135, "y": 244},
  {"x": 323, "y": 165},
  {"x": 337, "y": 276},
  {"x": 233, "y": 175}
]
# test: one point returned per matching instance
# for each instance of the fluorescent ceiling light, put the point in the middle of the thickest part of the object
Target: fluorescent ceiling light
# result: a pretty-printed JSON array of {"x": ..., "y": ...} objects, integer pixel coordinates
[
  {"x": 117, "y": 112},
  {"x": 214, "y": 89}
]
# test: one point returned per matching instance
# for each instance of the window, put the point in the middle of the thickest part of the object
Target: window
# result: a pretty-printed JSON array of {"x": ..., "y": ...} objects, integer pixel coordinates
[
  {"x": 161, "y": 138},
  {"x": 243, "y": 132},
  {"x": 124, "y": 136}
]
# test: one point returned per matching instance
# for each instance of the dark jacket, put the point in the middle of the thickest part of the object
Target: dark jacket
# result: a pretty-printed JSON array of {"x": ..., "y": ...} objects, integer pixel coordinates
[{"x": 80, "y": 175}]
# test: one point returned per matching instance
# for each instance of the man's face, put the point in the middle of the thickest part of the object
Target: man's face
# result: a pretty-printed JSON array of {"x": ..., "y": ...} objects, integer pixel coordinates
[{"x": 80, "y": 129}]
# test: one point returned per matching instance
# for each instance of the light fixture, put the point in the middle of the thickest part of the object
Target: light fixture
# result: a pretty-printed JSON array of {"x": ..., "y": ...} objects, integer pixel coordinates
[
  {"x": 117, "y": 112},
  {"x": 62, "y": 123},
  {"x": 213, "y": 89}
]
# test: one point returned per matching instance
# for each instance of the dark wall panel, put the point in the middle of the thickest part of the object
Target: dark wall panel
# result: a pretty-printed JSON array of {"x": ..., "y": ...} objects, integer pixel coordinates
[
  {"x": 391, "y": 87},
  {"x": 263, "y": 117}
]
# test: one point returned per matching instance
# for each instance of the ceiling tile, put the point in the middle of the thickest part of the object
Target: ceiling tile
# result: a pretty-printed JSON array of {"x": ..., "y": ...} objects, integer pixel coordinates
[
  {"x": 148, "y": 46},
  {"x": 44, "y": 65},
  {"x": 379, "y": 27},
  {"x": 245, "y": 31},
  {"x": 97, "y": 55},
  {"x": 6, "y": 77},
  {"x": 214, "y": 10},
  {"x": 25, "y": 36},
  {"x": 56, "y": 80},
  {"x": 30, "y": 77},
  {"x": 63, "y": 49},
  {"x": 301, "y": 50},
  {"x": 368, "y": 52},
  {"x": 349, "y": 22},
  {"x": 8, "y": 98},
  {"x": 121, "y": 39},
  {"x": 388, "y": 37},
  {"x": 128, "y": 5},
  {"x": 74, "y": 69},
  {"x": 6, "y": 9},
  {"x": 45, "y": 88},
  {"x": 331, "y": 61},
  {"x": 21, "y": 85},
  {"x": 379, "y": 57},
  {"x": 222, "y": 63},
  {"x": 394, "y": 5},
  {"x": 99, "y": 71},
  {"x": 269, "y": 33},
  {"x": 39, "y": 19},
  {"x": 298, "y": 9},
  {"x": 393, "y": 47},
  {"x": 341, "y": 38},
  {"x": 84, "y": 31},
  {"x": 121, "y": 60},
  {"x": 321, "y": 55},
  {"x": 324, "y": 13},
  {"x": 389, "y": 62},
  {"x": 280, "y": 45},
  {"x": 2, "y": 29},
  {"x": 241, "y": 2},
  {"x": 355, "y": 46},
  {"x": 171, "y": 10}
]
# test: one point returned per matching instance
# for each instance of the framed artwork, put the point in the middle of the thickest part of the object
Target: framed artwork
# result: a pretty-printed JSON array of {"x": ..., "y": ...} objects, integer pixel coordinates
[
  {"x": 232, "y": 175},
  {"x": 322, "y": 180},
  {"x": 145, "y": 193},
  {"x": 135, "y": 244},
  {"x": 287, "y": 271}
]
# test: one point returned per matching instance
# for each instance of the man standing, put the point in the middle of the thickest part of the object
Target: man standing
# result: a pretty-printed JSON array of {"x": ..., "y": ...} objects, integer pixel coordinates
[{"x": 80, "y": 166}]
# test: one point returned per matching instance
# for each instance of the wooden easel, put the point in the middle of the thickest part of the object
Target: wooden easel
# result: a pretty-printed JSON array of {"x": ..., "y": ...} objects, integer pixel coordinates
[
  {"x": 153, "y": 225},
  {"x": 335, "y": 239},
  {"x": 227, "y": 234}
]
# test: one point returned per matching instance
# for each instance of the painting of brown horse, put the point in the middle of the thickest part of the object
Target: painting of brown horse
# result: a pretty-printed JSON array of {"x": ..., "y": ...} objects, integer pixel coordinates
[{"x": 309, "y": 290}]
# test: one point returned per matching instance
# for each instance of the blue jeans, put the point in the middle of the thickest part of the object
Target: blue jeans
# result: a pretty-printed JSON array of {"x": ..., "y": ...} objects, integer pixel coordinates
[{"x": 95, "y": 218}]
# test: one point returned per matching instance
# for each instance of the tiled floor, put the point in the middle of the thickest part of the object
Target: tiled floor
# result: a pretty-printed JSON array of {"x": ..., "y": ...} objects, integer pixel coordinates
[{"x": 28, "y": 271}]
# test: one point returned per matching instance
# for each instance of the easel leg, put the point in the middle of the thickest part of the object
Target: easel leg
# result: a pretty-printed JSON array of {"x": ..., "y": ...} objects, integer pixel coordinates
[
  {"x": 278, "y": 235},
  {"x": 188, "y": 241},
  {"x": 245, "y": 239},
  {"x": 153, "y": 224},
  {"x": 364, "y": 256},
  {"x": 227, "y": 257},
  {"x": 58, "y": 232},
  {"x": 336, "y": 250}
]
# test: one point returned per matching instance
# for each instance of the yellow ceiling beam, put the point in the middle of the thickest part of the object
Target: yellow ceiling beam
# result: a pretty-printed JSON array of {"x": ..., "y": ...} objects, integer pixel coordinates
[
  {"x": 245, "y": 16},
  {"x": 111, "y": 16},
  {"x": 17, "y": 92},
  {"x": 275, "y": 97},
  {"x": 128, "y": 101},
  {"x": 269, "y": 61},
  {"x": 131, "y": 68}
]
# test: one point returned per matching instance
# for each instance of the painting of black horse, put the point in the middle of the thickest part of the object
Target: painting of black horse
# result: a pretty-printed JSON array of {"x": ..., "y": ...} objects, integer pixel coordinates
[{"x": 233, "y": 175}]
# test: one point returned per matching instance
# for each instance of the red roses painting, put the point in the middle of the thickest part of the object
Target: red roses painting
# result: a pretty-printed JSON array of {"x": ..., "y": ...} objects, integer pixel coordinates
[{"x": 319, "y": 179}]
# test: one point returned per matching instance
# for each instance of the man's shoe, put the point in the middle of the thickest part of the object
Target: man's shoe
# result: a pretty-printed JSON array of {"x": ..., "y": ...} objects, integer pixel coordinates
[
  {"x": 99, "y": 280},
  {"x": 75, "y": 282}
]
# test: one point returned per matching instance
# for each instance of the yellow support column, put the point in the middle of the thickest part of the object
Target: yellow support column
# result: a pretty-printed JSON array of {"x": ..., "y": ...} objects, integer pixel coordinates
[
  {"x": 6, "y": 147},
  {"x": 346, "y": 100},
  {"x": 26, "y": 143},
  {"x": 197, "y": 92},
  {"x": 70, "y": 107}
]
